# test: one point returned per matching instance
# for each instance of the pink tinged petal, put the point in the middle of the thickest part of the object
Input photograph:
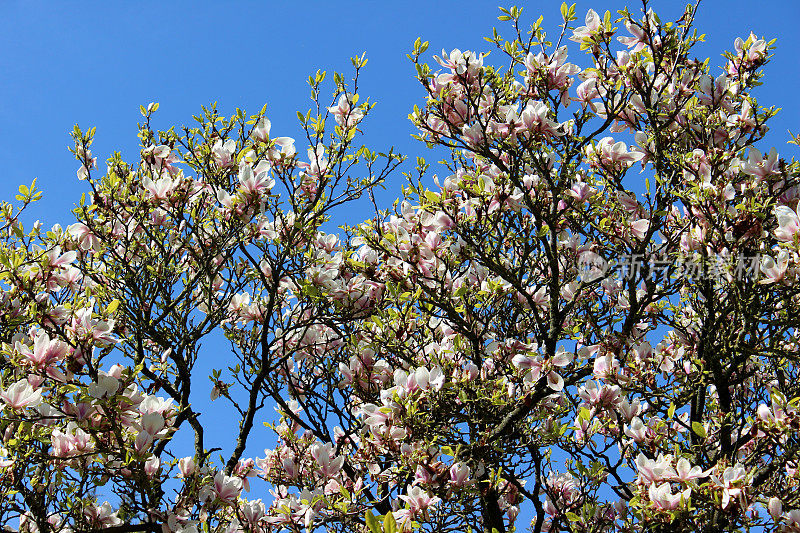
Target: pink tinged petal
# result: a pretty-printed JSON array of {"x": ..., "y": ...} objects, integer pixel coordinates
[
  {"x": 20, "y": 395},
  {"x": 788, "y": 223},
  {"x": 186, "y": 466},
  {"x": 640, "y": 228},
  {"x": 152, "y": 423},
  {"x": 775, "y": 508},
  {"x": 143, "y": 441},
  {"x": 555, "y": 381}
]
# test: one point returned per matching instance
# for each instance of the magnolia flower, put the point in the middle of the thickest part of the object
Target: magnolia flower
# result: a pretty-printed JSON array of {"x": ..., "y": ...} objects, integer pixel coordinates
[
  {"x": 325, "y": 456},
  {"x": 534, "y": 118},
  {"x": 654, "y": 470},
  {"x": 733, "y": 479},
  {"x": 83, "y": 235},
  {"x": 638, "y": 39},
  {"x": 460, "y": 63},
  {"x": 261, "y": 131},
  {"x": 759, "y": 167},
  {"x": 346, "y": 115},
  {"x": 775, "y": 272},
  {"x": 640, "y": 227},
  {"x": 663, "y": 498},
  {"x": 775, "y": 508},
  {"x": 636, "y": 430},
  {"x": 21, "y": 395},
  {"x": 555, "y": 381},
  {"x": 161, "y": 188},
  {"x": 460, "y": 474},
  {"x": 153, "y": 423},
  {"x": 256, "y": 181},
  {"x": 103, "y": 516},
  {"x": 106, "y": 385},
  {"x": 473, "y": 135},
  {"x": 186, "y": 466},
  {"x": 788, "y": 223},
  {"x": 227, "y": 488},
  {"x": 686, "y": 472},
  {"x": 427, "y": 380},
  {"x": 418, "y": 499},
  {"x": 223, "y": 153},
  {"x": 283, "y": 149},
  {"x": 45, "y": 351},
  {"x": 583, "y": 34}
]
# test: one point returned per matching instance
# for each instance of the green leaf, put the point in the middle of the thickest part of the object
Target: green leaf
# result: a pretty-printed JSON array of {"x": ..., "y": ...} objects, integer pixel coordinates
[
  {"x": 671, "y": 411},
  {"x": 389, "y": 523},
  {"x": 112, "y": 306},
  {"x": 372, "y": 522},
  {"x": 699, "y": 429}
]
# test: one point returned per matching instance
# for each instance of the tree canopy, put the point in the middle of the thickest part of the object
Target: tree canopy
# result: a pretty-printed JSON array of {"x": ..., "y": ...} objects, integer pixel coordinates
[{"x": 583, "y": 319}]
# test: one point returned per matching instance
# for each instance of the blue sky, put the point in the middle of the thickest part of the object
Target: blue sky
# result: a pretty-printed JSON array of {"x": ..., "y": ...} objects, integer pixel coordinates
[{"x": 95, "y": 63}]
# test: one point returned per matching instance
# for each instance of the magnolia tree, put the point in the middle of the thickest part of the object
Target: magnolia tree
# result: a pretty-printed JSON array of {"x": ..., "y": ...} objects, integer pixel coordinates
[{"x": 589, "y": 324}]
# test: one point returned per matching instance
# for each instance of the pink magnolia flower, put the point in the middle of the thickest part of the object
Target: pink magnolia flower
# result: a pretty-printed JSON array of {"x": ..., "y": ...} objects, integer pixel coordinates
[
  {"x": 788, "y": 223},
  {"x": 473, "y": 135},
  {"x": 261, "y": 131},
  {"x": 423, "y": 379},
  {"x": 102, "y": 516},
  {"x": 559, "y": 74},
  {"x": 152, "y": 465},
  {"x": 775, "y": 508},
  {"x": 325, "y": 456},
  {"x": 160, "y": 188},
  {"x": 344, "y": 111},
  {"x": 286, "y": 146},
  {"x": 555, "y": 382},
  {"x": 686, "y": 472},
  {"x": 639, "y": 228},
  {"x": 423, "y": 475},
  {"x": 56, "y": 260},
  {"x": 775, "y": 272},
  {"x": 534, "y": 118},
  {"x": 732, "y": 484},
  {"x": 712, "y": 91},
  {"x": 223, "y": 152},
  {"x": 654, "y": 470},
  {"x": 227, "y": 488},
  {"x": 419, "y": 500},
  {"x": 186, "y": 466},
  {"x": 83, "y": 235},
  {"x": 466, "y": 64},
  {"x": 45, "y": 351},
  {"x": 638, "y": 39},
  {"x": 760, "y": 167},
  {"x": 587, "y": 92},
  {"x": 612, "y": 155},
  {"x": 662, "y": 496},
  {"x": 460, "y": 474},
  {"x": 636, "y": 430},
  {"x": 256, "y": 181},
  {"x": 583, "y": 34},
  {"x": 21, "y": 395}
]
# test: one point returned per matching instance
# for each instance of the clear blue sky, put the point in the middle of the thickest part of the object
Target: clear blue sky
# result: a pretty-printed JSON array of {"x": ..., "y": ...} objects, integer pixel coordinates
[{"x": 94, "y": 63}]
